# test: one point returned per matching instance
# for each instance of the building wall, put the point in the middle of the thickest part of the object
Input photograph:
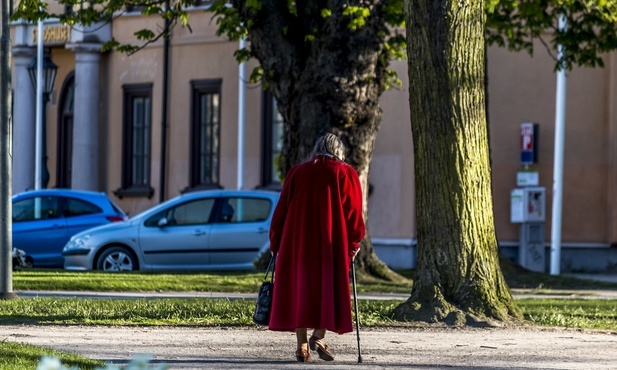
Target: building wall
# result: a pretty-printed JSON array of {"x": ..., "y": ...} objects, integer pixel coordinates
[
  {"x": 193, "y": 56},
  {"x": 521, "y": 89},
  {"x": 392, "y": 202}
]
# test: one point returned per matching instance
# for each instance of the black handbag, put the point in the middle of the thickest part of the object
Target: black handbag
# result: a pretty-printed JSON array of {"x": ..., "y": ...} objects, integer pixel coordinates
[{"x": 261, "y": 316}]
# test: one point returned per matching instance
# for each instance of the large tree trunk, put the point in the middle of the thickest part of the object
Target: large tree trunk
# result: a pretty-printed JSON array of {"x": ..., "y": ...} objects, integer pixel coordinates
[
  {"x": 459, "y": 279},
  {"x": 330, "y": 82}
]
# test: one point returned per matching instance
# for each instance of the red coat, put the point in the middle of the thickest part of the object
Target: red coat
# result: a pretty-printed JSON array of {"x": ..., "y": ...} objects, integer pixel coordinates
[{"x": 316, "y": 228}]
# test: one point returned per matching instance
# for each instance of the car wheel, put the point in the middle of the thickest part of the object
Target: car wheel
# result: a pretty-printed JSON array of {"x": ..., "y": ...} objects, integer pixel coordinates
[{"x": 116, "y": 259}]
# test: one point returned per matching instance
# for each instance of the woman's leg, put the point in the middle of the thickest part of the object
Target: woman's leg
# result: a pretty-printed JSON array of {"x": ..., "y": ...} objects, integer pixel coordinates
[
  {"x": 319, "y": 333},
  {"x": 302, "y": 352},
  {"x": 317, "y": 343},
  {"x": 301, "y": 337}
]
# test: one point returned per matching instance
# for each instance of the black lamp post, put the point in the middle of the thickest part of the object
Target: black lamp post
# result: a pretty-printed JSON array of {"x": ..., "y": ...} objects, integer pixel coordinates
[{"x": 49, "y": 77}]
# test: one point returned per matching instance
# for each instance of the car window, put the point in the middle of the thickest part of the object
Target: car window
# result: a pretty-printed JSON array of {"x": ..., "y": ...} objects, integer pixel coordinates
[
  {"x": 244, "y": 210},
  {"x": 78, "y": 207},
  {"x": 36, "y": 208},
  {"x": 194, "y": 212}
]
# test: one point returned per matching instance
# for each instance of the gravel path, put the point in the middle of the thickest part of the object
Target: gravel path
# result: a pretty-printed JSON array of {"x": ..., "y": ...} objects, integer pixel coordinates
[{"x": 403, "y": 348}]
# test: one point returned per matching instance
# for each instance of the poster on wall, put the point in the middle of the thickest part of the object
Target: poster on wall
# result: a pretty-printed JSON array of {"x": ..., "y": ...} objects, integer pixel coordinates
[
  {"x": 517, "y": 206},
  {"x": 527, "y": 178},
  {"x": 529, "y": 143}
]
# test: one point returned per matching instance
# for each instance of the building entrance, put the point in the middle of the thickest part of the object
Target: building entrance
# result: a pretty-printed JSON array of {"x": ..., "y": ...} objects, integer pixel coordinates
[{"x": 65, "y": 133}]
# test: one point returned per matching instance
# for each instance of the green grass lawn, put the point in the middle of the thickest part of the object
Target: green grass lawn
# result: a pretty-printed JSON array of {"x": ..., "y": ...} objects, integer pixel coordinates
[
  {"x": 571, "y": 313},
  {"x": 241, "y": 282},
  {"x": 15, "y": 356},
  {"x": 248, "y": 282},
  {"x": 58, "y": 279}
]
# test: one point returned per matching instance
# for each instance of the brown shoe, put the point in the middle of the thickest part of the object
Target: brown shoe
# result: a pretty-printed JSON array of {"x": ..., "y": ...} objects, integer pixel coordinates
[
  {"x": 318, "y": 344},
  {"x": 303, "y": 355}
]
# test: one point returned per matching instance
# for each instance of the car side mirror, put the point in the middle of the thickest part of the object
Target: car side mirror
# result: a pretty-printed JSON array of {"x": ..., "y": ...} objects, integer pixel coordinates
[{"x": 163, "y": 222}]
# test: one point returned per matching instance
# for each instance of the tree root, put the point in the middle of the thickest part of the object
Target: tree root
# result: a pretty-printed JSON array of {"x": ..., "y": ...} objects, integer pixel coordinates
[
  {"x": 372, "y": 269},
  {"x": 431, "y": 306},
  {"x": 443, "y": 312}
]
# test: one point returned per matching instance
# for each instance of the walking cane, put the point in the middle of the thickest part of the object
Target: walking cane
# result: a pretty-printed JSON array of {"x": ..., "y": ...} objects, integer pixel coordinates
[{"x": 355, "y": 305}]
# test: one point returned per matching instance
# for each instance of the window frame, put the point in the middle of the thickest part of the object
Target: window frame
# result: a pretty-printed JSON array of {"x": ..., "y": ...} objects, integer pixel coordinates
[
  {"x": 199, "y": 88},
  {"x": 268, "y": 120},
  {"x": 153, "y": 220},
  {"x": 226, "y": 200},
  {"x": 65, "y": 207},
  {"x": 58, "y": 203},
  {"x": 65, "y": 123},
  {"x": 203, "y": 3},
  {"x": 128, "y": 188}
]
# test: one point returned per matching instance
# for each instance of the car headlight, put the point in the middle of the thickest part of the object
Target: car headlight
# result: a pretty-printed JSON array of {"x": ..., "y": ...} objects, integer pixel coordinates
[{"x": 78, "y": 242}]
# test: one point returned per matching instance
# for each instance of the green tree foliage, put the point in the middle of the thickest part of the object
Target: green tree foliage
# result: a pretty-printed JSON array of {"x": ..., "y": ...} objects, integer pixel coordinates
[
  {"x": 591, "y": 28},
  {"x": 302, "y": 23},
  {"x": 514, "y": 24}
]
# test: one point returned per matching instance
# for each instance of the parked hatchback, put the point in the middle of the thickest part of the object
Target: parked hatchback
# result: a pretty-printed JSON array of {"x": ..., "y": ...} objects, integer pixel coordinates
[
  {"x": 44, "y": 220},
  {"x": 203, "y": 230}
]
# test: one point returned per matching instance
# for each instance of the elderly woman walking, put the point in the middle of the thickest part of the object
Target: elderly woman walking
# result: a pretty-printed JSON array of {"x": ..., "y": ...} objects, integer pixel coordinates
[{"x": 314, "y": 236}]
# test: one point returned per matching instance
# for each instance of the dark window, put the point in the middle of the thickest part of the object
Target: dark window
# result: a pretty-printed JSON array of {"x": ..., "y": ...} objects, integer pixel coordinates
[
  {"x": 132, "y": 8},
  {"x": 65, "y": 133},
  {"x": 136, "y": 142},
  {"x": 77, "y": 207},
  {"x": 205, "y": 134},
  {"x": 203, "y": 2},
  {"x": 272, "y": 142},
  {"x": 244, "y": 210},
  {"x": 195, "y": 212},
  {"x": 36, "y": 208}
]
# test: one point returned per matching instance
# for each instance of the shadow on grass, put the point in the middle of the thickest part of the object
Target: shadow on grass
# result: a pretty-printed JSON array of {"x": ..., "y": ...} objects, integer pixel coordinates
[{"x": 518, "y": 277}]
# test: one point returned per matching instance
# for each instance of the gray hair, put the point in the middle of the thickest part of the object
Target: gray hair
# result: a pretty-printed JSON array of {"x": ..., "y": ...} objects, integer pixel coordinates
[{"x": 329, "y": 144}]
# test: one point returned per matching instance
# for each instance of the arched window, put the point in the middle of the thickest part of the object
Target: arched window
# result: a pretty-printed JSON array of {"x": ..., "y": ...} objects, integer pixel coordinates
[
  {"x": 272, "y": 124},
  {"x": 65, "y": 133}
]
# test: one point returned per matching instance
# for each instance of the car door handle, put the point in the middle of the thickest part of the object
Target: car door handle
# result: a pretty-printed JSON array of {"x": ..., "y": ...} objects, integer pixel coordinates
[
  {"x": 261, "y": 230},
  {"x": 199, "y": 232},
  {"x": 58, "y": 226}
]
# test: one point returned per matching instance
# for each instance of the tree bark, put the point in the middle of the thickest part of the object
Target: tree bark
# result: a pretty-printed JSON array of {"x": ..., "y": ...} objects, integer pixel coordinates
[
  {"x": 459, "y": 279},
  {"x": 330, "y": 82}
]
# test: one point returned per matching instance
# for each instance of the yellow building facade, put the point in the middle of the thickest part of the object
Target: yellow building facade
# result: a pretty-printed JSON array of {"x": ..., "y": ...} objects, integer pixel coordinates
[{"x": 105, "y": 127}]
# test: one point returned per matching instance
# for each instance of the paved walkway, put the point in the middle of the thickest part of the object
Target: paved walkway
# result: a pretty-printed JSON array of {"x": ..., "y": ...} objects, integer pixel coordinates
[
  {"x": 429, "y": 347},
  {"x": 611, "y": 278}
]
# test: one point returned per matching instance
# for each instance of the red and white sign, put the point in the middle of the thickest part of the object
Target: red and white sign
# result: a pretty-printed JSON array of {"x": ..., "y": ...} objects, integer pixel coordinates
[{"x": 527, "y": 137}]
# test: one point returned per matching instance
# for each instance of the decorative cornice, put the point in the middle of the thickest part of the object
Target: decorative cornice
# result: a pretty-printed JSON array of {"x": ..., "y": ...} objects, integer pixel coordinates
[
  {"x": 85, "y": 47},
  {"x": 22, "y": 51}
]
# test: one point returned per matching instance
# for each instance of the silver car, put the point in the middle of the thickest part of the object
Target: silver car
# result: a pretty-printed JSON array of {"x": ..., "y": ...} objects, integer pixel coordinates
[{"x": 203, "y": 230}]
